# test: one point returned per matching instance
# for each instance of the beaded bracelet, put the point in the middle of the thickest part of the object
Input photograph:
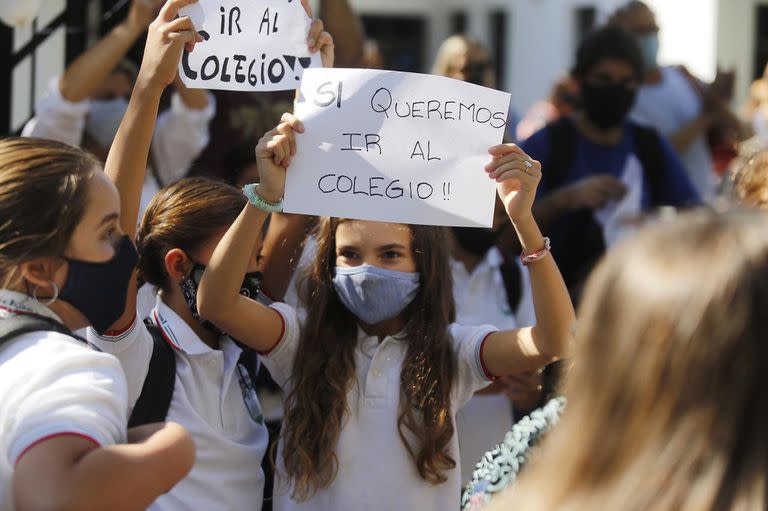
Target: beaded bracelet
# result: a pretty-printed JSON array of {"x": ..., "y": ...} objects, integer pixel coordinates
[
  {"x": 536, "y": 256},
  {"x": 251, "y": 191}
]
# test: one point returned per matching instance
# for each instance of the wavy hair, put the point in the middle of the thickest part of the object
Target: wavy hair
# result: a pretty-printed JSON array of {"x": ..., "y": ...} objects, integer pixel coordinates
[
  {"x": 324, "y": 370},
  {"x": 668, "y": 395}
]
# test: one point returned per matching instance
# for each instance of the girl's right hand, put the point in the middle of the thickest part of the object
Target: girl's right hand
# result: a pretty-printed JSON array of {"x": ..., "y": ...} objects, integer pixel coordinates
[
  {"x": 167, "y": 37},
  {"x": 274, "y": 154}
]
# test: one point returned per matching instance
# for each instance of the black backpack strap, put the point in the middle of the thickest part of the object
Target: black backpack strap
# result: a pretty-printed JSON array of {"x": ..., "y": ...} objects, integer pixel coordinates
[
  {"x": 562, "y": 150},
  {"x": 156, "y": 393},
  {"x": 512, "y": 278},
  {"x": 651, "y": 156},
  {"x": 21, "y": 324}
]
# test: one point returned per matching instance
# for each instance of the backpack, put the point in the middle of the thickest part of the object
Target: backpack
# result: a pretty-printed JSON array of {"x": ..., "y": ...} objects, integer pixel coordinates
[
  {"x": 157, "y": 392},
  {"x": 579, "y": 238},
  {"x": 21, "y": 324}
]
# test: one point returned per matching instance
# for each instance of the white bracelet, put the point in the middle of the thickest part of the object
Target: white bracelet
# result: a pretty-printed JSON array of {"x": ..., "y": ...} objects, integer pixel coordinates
[{"x": 251, "y": 191}]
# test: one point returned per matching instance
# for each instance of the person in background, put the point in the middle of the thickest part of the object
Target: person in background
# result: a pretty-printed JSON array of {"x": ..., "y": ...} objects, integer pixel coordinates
[
  {"x": 602, "y": 169},
  {"x": 563, "y": 101},
  {"x": 677, "y": 104},
  {"x": 489, "y": 286},
  {"x": 667, "y": 396},
  {"x": 85, "y": 105},
  {"x": 210, "y": 377},
  {"x": 242, "y": 117},
  {"x": 755, "y": 111},
  {"x": 465, "y": 58}
]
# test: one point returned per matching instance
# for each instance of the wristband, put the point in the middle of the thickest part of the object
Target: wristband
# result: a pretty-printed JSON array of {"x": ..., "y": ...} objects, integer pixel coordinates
[
  {"x": 536, "y": 256},
  {"x": 251, "y": 191}
]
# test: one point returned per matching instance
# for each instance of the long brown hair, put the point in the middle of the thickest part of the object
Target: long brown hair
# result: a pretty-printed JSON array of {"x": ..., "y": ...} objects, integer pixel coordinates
[
  {"x": 668, "y": 396},
  {"x": 43, "y": 196},
  {"x": 325, "y": 368},
  {"x": 184, "y": 215}
]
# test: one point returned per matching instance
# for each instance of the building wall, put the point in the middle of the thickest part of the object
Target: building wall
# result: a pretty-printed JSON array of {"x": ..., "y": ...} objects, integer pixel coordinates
[
  {"x": 736, "y": 41},
  {"x": 541, "y": 34}
]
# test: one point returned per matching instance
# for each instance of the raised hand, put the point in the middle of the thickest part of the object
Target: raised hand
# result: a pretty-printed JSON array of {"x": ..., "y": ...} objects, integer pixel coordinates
[
  {"x": 274, "y": 154},
  {"x": 142, "y": 12},
  {"x": 168, "y": 36},
  {"x": 320, "y": 40},
  {"x": 517, "y": 176}
]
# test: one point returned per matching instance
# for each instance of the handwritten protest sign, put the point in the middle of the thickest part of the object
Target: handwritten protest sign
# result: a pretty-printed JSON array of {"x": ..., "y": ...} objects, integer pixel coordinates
[
  {"x": 250, "y": 45},
  {"x": 395, "y": 147}
]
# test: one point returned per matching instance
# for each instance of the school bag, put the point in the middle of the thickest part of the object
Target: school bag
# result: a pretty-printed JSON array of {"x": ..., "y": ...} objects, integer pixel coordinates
[
  {"x": 578, "y": 242},
  {"x": 157, "y": 392}
]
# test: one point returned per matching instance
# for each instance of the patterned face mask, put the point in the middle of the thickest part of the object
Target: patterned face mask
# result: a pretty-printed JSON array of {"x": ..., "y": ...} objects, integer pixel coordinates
[{"x": 189, "y": 286}]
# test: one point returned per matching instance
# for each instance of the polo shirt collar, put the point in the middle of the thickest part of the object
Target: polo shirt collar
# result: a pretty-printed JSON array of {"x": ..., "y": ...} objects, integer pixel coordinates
[
  {"x": 493, "y": 259},
  {"x": 176, "y": 331}
]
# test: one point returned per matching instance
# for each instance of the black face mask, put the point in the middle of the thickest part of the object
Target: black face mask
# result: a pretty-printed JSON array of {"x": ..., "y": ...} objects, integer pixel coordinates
[
  {"x": 250, "y": 288},
  {"x": 607, "y": 106},
  {"x": 98, "y": 290},
  {"x": 476, "y": 241}
]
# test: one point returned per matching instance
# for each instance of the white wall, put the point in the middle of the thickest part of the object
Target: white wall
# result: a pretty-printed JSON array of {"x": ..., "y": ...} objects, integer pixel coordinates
[
  {"x": 736, "y": 41},
  {"x": 689, "y": 34},
  {"x": 540, "y": 34}
]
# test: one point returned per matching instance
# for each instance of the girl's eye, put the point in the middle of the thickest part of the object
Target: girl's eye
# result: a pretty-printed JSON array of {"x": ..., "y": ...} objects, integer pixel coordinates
[
  {"x": 391, "y": 254},
  {"x": 348, "y": 254}
]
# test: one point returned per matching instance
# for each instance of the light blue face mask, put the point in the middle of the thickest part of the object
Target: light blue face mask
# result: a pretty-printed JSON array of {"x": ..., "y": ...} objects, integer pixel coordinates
[
  {"x": 104, "y": 119},
  {"x": 374, "y": 294},
  {"x": 649, "y": 46}
]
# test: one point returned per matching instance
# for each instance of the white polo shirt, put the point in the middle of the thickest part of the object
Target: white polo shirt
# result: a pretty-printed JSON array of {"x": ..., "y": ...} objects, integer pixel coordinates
[
  {"x": 481, "y": 298},
  {"x": 375, "y": 471},
  {"x": 53, "y": 385},
  {"x": 209, "y": 399}
]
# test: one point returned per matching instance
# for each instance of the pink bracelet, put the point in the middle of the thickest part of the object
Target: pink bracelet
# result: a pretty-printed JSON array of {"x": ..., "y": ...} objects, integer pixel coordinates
[{"x": 536, "y": 256}]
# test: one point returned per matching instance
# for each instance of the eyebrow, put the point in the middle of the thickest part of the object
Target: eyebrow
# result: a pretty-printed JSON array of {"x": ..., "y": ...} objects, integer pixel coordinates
[
  {"x": 391, "y": 246},
  {"x": 109, "y": 218}
]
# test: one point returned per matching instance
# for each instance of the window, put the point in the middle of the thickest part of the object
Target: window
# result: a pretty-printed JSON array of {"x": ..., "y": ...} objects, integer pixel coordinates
[{"x": 401, "y": 40}]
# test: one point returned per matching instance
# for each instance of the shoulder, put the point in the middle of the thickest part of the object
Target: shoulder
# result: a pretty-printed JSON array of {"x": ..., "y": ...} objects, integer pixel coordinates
[{"x": 53, "y": 355}]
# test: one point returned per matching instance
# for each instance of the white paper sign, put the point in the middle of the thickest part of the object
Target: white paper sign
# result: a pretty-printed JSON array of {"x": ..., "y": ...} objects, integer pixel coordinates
[
  {"x": 395, "y": 147},
  {"x": 250, "y": 45}
]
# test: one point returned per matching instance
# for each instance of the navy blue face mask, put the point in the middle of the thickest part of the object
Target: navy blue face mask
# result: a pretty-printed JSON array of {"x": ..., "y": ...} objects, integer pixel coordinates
[{"x": 98, "y": 290}]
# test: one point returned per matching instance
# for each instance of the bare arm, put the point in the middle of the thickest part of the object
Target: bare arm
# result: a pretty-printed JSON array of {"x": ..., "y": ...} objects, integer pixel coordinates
[
  {"x": 347, "y": 29},
  {"x": 513, "y": 351},
  {"x": 127, "y": 161},
  {"x": 194, "y": 99},
  {"x": 281, "y": 251},
  {"x": 218, "y": 298},
  {"x": 70, "y": 473},
  {"x": 89, "y": 71}
]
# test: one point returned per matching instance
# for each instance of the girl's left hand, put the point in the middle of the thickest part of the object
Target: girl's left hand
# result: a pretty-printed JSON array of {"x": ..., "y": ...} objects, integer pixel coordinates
[
  {"x": 274, "y": 153},
  {"x": 517, "y": 176},
  {"x": 318, "y": 39}
]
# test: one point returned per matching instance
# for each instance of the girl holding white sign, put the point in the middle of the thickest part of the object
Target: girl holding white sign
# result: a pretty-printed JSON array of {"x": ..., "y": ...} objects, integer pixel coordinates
[
  {"x": 200, "y": 370},
  {"x": 378, "y": 368}
]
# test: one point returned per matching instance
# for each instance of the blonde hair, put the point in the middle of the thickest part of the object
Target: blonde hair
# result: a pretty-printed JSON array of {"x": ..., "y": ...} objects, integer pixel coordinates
[
  {"x": 668, "y": 395},
  {"x": 749, "y": 181},
  {"x": 456, "y": 47}
]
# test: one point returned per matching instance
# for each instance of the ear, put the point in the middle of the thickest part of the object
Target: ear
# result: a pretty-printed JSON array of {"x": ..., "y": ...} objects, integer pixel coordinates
[
  {"x": 177, "y": 264},
  {"x": 41, "y": 272}
]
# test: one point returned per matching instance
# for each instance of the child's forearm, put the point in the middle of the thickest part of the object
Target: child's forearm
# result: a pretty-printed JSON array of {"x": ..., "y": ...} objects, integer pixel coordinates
[
  {"x": 117, "y": 477},
  {"x": 551, "y": 301},
  {"x": 88, "y": 72},
  {"x": 282, "y": 250},
  {"x": 220, "y": 285},
  {"x": 127, "y": 161}
]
